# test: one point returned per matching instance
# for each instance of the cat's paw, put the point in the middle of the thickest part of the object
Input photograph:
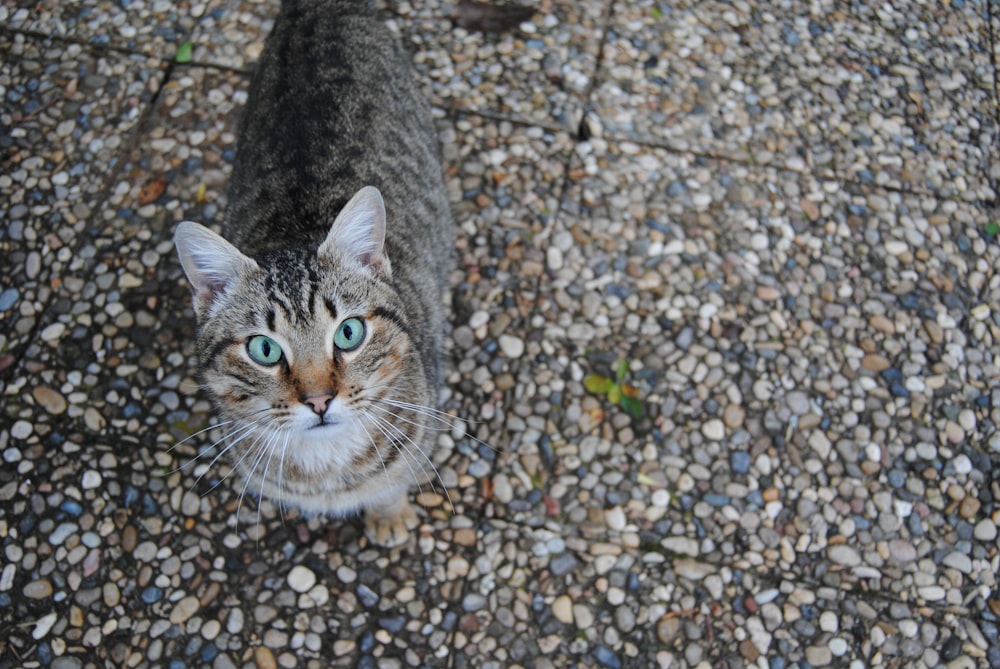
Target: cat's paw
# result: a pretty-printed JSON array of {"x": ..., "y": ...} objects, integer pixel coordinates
[{"x": 392, "y": 528}]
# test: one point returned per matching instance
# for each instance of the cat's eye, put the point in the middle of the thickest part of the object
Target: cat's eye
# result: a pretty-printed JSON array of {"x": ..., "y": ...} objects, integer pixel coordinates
[
  {"x": 264, "y": 350},
  {"x": 349, "y": 334}
]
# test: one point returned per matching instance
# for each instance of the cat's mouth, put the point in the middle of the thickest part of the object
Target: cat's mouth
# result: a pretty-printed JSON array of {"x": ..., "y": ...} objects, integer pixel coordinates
[{"x": 324, "y": 422}]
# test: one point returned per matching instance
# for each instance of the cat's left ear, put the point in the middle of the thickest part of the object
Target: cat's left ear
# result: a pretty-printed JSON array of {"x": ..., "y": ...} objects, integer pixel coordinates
[{"x": 359, "y": 231}]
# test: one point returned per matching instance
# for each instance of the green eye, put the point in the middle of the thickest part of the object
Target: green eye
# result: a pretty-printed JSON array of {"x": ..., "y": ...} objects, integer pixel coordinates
[
  {"x": 349, "y": 334},
  {"x": 264, "y": 350}
]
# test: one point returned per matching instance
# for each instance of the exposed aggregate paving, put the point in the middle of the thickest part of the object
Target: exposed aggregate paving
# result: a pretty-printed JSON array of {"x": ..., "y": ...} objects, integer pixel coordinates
[{"x": 779, "y": 215}]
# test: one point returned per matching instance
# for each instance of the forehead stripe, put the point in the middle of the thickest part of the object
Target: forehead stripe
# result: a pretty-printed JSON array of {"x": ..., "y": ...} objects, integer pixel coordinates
[{"x": 392, "y": 316}]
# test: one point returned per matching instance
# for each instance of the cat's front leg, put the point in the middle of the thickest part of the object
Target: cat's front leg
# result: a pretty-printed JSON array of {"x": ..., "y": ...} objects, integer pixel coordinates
[{"x": 389, "y": 523}]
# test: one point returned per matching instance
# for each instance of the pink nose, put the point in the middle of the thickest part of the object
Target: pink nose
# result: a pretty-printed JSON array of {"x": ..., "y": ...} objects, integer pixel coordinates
[{"x": 319, "y": 403}]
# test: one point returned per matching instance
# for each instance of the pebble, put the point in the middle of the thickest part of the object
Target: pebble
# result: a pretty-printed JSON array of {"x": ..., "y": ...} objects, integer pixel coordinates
[
  {"x": 473, "y": 602},
  {"x": 91, "y": 480},
  {"x": 301, "y": 579},
  {"x": 733, "y": 416},
  {"x": 682, "y": 545},
  {"x": 615, "y": 519},
  {"x": 512, "y": 347},
  {"x": 606, "y": 657},
  {"x": 562, "y": 609},
  {"x": 44, "y": 625},
  {"x": 740, "y": 462},
  {"x": 844, "y": 555},
  {"x": 798, "y": 402},
  {"x": 21, "y": 429},
  {"x": 819, "y": 656},
  {"x": 985, "y": 530},
  {"x": 713, "y": 429},
  {"x": 51, "y": 400},
  {"x": 902, "y": 551},
  {"x": 184, "y": 609},
  {"x": 667, "y": 630},
  {"x": 264, "y": 658},
  {"x": 41, "y": 589}
]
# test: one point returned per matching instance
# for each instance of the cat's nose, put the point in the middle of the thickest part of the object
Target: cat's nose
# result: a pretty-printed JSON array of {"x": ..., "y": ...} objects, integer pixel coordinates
[{"x": 319, "y": 403}]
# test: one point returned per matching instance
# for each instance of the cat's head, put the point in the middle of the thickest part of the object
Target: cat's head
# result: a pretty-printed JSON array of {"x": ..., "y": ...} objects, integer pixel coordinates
[{"x": 307, "y": 353}]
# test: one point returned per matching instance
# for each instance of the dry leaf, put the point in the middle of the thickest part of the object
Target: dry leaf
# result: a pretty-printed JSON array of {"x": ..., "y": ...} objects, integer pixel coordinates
[{"x": 152, "y": 191}]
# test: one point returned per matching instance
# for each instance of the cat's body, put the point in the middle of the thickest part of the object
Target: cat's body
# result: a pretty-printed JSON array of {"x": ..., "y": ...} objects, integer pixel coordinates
[{"x": 320, "y": 339}]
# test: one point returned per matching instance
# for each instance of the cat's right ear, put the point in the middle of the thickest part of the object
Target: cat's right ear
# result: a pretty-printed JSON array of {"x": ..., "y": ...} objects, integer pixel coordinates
[{"x": 210, "y": 262}]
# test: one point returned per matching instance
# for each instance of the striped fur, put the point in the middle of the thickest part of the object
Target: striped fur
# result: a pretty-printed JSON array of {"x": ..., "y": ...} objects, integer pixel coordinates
[{"x": 333, "y": 108}]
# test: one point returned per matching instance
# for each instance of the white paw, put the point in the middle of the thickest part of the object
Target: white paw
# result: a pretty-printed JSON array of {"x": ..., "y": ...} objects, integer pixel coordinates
[{"x": 393, "y": 528}]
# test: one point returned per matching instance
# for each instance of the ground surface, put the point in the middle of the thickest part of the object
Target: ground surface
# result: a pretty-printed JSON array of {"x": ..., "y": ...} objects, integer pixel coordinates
[{"x": 782, "y": 217}]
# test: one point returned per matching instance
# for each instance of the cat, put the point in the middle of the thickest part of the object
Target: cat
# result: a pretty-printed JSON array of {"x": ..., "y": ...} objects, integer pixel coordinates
[{"x": 320, "y": 309}]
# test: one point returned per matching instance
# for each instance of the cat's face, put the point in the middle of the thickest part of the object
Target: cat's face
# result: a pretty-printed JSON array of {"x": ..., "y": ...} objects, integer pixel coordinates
[{"x": 307, "y": 355}]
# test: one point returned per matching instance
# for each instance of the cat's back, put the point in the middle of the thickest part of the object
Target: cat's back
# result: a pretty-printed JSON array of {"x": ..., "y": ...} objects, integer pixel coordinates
[{"x": 334, "y": 107}]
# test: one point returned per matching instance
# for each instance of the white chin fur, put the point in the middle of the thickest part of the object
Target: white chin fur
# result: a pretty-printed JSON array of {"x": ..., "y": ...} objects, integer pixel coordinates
[{"x": 317, "y": 448}]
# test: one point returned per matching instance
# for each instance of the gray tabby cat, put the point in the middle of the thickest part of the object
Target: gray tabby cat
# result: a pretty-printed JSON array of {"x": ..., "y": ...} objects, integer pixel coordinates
[{"x": 320, "y": 320}]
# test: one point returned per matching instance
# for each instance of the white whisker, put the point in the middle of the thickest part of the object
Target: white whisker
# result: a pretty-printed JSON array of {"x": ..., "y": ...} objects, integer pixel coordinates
[
  {"x": 201, "y": 431},
  {"x": 382, "y": 425},
  {"x": 269, "y": 433},
  {"x": 371, "y": 439},
  {"x": 281, "y": 476},
  {"x": 404, "y": 438},
  {"x": 243, "y": 431},
  {"x": 270, "y": 446},
  {"x": 437, "y": 415},
  {"x": 249, "y": 430},
  {"x": 203, "y": 451}
]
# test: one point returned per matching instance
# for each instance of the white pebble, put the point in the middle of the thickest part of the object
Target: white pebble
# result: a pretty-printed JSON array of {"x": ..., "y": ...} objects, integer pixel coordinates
[
  {"x": 301, "y": 579},
  {"x": 22, "y": 429},
  {"x": 908, "y": 628},
  {"x": 554, "y": 258},
  {"x": 615, "y": 518},
  {"x": 91, "y": 479},
  {"x": 963, "y": 465},
  {"x": 958, "y": 561},
  {"x": 234, "y": 623},
  {"x": 932, "y": 593},
  {"x": 660, "y": 498},
  {"x": 713, "y": 429},
  {"x": 838, "y": 646},
  {"x": 985, "y": 530},
  {"x": 683, "y": 545},
  {"x": 163, "y": 145},
  {"x": 512, "y": 347},
  {"x": 895, "y": 248},
  {"x": 478, "y": 319},
  {"x": 44, "y": 624},
  {"x": 53, "y": 332}
]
